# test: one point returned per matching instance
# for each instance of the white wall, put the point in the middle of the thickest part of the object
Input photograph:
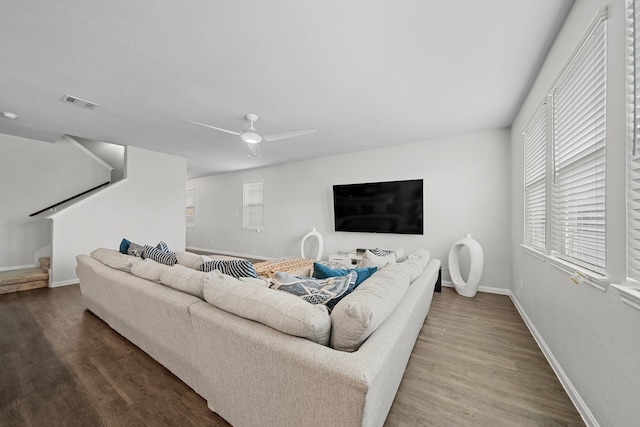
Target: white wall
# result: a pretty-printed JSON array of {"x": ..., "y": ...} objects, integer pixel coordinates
[
  {"x": 34, "y": 175},
  {"x": 590, "y": 336},
  {"x": 466, "y": 188},
  {"x": 146, "y": 207}
]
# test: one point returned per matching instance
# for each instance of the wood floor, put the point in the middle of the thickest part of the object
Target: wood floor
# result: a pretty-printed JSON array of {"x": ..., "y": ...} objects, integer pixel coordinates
[{"x": 475, "y": 363}]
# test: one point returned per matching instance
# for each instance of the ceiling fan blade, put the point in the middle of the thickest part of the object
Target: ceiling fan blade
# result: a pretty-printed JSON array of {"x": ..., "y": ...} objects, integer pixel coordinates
[
  {"x": 232, "y": 132},
  {"x": 286, "y": 134},
  {"x": 255, "y": 150}
]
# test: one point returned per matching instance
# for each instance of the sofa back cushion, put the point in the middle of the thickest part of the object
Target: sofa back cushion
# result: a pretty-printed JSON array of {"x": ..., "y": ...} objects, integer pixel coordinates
[
  {"x": 280, "y": 310},
  {"x": 360, "y": 313},
  {"x": 415, "y": 263},
  {"x": 114, "y": 259},
  {"x": 149, "y": 269},
  {"x": 184, "y": 279}
]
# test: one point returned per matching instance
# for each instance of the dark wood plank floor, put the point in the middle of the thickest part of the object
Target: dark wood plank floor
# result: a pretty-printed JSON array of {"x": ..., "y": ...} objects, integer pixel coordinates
[{"x": 475, "y": 363}]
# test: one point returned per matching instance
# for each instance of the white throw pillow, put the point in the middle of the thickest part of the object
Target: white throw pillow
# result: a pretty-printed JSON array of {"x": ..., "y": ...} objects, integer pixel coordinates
[
  {"x": 191, "y": 260},
  {"x": 280, "y": 310},
  {"x": 369, "y": 259}
]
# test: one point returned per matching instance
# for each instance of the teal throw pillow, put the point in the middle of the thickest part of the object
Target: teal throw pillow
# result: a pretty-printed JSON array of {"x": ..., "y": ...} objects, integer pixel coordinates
[
  {"x": 124, "y": 246},
  {"x": 321, "y": 271}
]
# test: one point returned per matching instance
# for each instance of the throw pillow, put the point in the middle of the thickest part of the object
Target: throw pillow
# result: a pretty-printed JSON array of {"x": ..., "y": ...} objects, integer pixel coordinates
[
  {"x": 399, "y": 253},
  {"x": 321, "y": 271},
  {"x": 163, "y": 257},
  {"x": 135, "y": 250},
  {"x": 191, "y": 260},
  {"x": 232, "y": 267},
  {"x": 124, "y": 246},
  {"x": 369, "y": 259},
  {"x": 163, "y": 246},
  {"x": 315, "y": 291}
]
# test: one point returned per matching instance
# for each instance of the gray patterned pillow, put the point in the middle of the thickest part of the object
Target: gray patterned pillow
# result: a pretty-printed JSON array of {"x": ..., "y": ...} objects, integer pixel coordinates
[
  {"x": 315, "y": 291},
  {"x": 135, "y": 250}
]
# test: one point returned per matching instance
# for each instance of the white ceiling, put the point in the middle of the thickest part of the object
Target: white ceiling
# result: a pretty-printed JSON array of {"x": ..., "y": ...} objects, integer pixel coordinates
[{"x": 365, "y": 73}]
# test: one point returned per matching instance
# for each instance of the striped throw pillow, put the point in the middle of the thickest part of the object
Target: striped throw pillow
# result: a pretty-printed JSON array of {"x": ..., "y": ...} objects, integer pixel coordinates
[
  {"x": 163, "y": 257},
  {"x": 232, "y": 267}
]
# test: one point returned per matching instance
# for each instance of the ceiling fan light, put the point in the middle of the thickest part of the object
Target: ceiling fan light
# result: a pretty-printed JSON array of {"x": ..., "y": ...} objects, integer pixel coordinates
[{"x": 251, "y": 137}]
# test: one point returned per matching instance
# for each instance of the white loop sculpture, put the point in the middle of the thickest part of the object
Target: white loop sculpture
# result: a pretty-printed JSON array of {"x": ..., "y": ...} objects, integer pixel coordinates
[
  {"x": 476, "y": 265},
  {"x": 317, "y": 235}
]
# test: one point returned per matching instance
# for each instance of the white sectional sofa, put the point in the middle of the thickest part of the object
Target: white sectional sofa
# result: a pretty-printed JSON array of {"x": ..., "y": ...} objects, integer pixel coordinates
[{"x": 253, "y": 374}]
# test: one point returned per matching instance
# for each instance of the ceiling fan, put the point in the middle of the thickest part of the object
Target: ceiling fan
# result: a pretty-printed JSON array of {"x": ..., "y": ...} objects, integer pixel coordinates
[{"x": 252, "y": 137}]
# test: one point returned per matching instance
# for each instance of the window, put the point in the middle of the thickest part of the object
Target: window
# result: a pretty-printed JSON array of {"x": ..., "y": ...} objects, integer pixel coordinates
[
  {"x": 578, "y": 101},
  {"x": 633, "y": 168},
  {"x": 535, "y": 180},
  {"x": 253, "y": 205}
]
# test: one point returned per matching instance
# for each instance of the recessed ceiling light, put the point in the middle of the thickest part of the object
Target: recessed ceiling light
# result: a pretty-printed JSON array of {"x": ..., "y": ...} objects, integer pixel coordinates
[{"x": 8, "y": 115}]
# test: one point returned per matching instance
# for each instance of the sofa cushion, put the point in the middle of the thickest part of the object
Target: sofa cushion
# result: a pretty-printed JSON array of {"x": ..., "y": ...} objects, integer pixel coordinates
[
  {"x": 232, "y": 267},
  {"x": 415, "y": 263},
  {"x": 360, "y": 313},
  {"x": 158, "y": 255},
  {"x": 315, "y": 291},
  {"x": 149, "y": 269},
  {"x": 279, "y": 310},
  {"x": 184, "y": 279},
  {"x": 369, "y": 259},
  {"x": 114, "y": 259}
]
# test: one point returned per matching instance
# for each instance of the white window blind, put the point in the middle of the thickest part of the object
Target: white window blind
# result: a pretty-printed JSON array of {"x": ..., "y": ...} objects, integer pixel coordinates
[
  {"x": 253, "y": 205},
  {"x": 633, "y": 168},
  {"x": 578, "y": 204},
  {"x": 535, "y": 179}
]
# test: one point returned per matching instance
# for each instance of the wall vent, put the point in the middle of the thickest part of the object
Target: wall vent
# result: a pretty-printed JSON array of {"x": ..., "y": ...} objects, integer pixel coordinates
[{"x": 79, "y": 102}]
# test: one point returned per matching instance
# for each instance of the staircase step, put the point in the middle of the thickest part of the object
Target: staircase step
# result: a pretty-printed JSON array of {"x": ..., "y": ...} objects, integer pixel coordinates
[
  {"x": 23, "y": 279},
  {"x": 45, "y": 263}
]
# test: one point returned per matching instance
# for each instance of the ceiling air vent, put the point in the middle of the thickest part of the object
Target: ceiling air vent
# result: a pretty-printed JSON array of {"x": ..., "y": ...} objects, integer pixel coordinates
[{"x": 79, "y": 102}]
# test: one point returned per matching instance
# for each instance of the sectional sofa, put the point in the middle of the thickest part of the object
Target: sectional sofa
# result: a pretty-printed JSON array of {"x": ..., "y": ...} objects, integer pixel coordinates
[{"x": 256, "y": 355}]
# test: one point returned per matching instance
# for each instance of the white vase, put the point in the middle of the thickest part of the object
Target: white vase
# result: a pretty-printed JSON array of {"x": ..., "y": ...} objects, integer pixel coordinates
[{"x": 476, "y": 264}]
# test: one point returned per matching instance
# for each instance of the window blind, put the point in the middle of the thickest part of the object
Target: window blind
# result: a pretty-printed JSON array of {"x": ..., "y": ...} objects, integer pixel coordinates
[
  {"x": 633, "y": 168},
  {"x": 579, "y": 139},
  {"x": 535, "y": 179},
  {"x": 252, "y": 205}
]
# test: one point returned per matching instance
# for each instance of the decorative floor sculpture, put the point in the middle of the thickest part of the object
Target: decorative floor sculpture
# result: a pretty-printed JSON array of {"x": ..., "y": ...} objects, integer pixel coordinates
[
  {"x": 476, "y": 264},
  {"x": 318, "y": 236}
]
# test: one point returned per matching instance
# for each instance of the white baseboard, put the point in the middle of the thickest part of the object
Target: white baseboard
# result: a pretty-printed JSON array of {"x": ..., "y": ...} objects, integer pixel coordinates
[
  {"x": 18, "y": 267},
  {"x": 487, "y": 289},
  {"x": 63, "y": 283},
  {"x": 575, "y": 397},
  {"x": 228, "y": 253}
]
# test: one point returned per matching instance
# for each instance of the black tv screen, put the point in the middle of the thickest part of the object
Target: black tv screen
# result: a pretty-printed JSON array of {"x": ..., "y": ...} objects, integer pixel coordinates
[{"x": 379, "y": 207}]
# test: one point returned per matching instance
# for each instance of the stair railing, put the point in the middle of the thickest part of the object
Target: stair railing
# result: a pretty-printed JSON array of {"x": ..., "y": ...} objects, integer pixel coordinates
[{"x": 70, "y": 198}]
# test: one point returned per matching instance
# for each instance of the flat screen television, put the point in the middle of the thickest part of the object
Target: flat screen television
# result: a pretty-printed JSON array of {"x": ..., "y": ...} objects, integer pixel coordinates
[{"x": 379, "y": 207}]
